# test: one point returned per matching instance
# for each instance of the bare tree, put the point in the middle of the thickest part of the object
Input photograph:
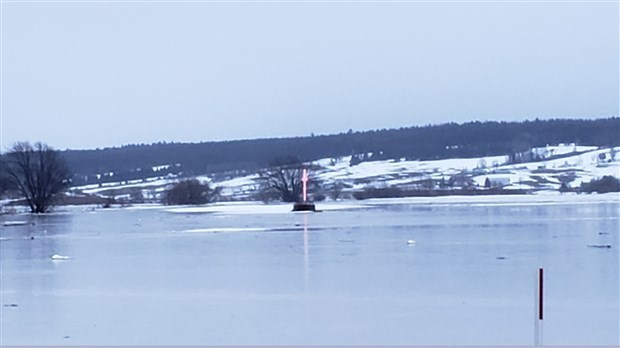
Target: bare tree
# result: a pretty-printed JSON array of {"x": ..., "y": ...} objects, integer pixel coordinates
[
  {"x": 190, "y": 191},
  {"x": 283, "y": 178},
  {"x": 336, "y": 191},
  {"x": 39, "y": 172},
  {"x": 6, "y": 184}
]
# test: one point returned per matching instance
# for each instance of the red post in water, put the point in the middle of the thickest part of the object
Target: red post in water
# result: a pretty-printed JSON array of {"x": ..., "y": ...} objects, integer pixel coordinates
[{"x": 540, "y": 294}]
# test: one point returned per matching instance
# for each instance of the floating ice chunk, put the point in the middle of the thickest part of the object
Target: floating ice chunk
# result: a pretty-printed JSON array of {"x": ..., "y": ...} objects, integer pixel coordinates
[
  {"x": 602, "y": 246},
  {"x": 59, "y": 257},
  {"x": 411, "y": 242}
]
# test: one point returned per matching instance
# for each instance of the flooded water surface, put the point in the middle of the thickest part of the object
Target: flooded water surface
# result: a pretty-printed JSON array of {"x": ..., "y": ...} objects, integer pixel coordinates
[{"x": 372, "y": 274}]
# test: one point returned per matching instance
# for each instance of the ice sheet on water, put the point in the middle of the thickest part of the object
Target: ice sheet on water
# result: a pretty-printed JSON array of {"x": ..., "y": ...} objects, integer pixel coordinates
[
  {"x": 247, "y": 208},
  {"x": 535, "y": 199},
  {"x": 225, "y": 230},
  {"x": 242, "y": 208}
]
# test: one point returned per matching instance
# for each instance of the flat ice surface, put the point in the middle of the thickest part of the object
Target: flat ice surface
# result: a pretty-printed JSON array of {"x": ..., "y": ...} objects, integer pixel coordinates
[{"x": 237, "y": 276}]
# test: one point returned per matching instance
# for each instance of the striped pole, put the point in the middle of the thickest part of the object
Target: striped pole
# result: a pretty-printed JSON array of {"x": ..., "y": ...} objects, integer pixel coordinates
[{"x": 304, "y": 180}]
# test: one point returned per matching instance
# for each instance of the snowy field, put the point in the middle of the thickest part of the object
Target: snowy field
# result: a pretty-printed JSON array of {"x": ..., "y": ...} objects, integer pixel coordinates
[
  {"x": 440, "y": 271},
  {"x": 570, "y": 164}
]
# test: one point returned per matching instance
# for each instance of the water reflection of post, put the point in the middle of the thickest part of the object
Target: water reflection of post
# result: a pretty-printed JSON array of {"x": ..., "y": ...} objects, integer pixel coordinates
[{"x": 306, "y": 258}]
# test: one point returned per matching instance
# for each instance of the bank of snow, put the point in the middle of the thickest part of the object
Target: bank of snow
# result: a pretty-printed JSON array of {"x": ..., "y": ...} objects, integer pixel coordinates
[{"x": 556, "y": 165}]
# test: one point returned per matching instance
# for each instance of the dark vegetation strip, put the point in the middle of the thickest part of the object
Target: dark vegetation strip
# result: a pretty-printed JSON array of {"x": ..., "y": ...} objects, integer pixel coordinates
[{"x": 451, "y": 140}]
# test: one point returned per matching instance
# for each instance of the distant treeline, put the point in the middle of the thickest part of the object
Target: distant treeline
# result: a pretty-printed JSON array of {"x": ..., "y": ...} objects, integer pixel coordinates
[{"x": 473, "y": 139}]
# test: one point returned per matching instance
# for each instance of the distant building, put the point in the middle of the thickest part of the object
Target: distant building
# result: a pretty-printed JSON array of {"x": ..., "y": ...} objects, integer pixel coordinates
[{"x": 461, "y": 181}]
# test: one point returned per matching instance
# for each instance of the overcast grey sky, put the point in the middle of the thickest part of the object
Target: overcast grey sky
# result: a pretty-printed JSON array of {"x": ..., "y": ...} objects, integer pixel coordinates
[{"x": 86, "y": 75}]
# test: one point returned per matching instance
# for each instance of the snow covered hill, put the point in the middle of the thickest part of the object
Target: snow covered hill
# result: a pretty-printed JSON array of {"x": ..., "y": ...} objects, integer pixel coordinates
[{"x": 551, "y": 166}]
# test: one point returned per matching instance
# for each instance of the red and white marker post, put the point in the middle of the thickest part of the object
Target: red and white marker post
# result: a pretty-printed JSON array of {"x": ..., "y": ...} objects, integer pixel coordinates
[
  {"x": 304, "y": 205},
  {"x": 304, "y": 180}
]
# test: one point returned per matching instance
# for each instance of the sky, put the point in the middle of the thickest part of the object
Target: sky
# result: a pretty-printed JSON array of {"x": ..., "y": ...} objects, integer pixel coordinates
[{"x": 94, "y": 74}]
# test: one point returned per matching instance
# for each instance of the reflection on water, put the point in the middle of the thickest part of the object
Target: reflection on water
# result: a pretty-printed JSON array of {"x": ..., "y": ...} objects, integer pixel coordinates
[{"x": 344, "y": 277}]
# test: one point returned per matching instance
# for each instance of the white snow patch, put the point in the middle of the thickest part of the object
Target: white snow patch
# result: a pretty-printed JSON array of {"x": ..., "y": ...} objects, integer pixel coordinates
[
  {"x": 91, "y": 189},
  {"x": 158, "y": 168}
]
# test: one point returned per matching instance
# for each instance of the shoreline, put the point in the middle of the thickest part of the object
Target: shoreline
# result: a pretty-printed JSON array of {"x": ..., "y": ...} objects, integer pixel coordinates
[{"x": 258, "y": 207}]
